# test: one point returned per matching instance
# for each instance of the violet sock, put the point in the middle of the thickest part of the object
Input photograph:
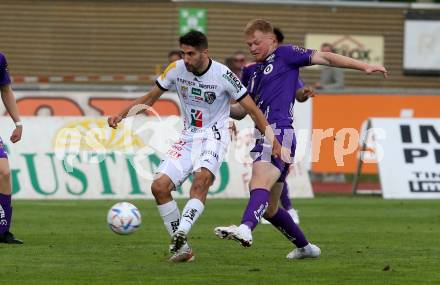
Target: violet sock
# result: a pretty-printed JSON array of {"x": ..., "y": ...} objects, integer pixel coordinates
[
  {"x": 5, "y": 213},
  {"x": 257, "y": 205},
  {"x": 285, "y": 201},
  {"x": 284, "y": 223}
]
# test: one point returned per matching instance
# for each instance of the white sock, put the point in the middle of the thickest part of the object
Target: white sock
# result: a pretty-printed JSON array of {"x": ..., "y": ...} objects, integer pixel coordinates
[
  {"x": 170, "y": 215},
  {"x": 192, "y": 211}
]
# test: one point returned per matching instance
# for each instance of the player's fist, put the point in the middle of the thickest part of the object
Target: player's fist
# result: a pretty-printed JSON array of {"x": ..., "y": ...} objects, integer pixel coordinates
[
  {"x": 16, "y": 134},
  {"x": 113, "y": 121}
]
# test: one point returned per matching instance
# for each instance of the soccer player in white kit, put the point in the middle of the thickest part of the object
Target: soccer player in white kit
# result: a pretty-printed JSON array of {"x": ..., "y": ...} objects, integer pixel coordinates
[{"x": 205, "y": 88}]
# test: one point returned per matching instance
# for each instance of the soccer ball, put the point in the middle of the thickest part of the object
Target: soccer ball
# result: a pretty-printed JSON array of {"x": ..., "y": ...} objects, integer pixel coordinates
[{"x": 124, "y": 218}]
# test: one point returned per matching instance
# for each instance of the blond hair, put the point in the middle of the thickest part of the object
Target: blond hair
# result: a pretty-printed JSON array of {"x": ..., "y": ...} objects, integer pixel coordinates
[{"x": 258, "y": 25}]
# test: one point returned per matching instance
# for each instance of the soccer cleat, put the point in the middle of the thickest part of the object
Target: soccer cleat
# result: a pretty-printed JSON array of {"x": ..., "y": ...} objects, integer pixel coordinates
[
  {"x": 177, "y": 241},
  {"x": 242, "y": 234},
  {"x": 185, "y": 254},
  {"x": 8, "y": 237},
  {"x": 294, "y": 214},
  {"x": 309, "y": 251}
]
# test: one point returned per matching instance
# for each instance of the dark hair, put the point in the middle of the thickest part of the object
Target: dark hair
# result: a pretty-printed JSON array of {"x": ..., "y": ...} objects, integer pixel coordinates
[
  {"x": 279, "y": 35},
  {"x": 195, "y": 39},
  {"x": 174, "y": 52}
]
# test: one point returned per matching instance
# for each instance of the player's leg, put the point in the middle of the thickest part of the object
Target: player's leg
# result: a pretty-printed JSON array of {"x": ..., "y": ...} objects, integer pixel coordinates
[
  {"x": 264, "y": 176},
  {"x": 5, "y": 201},
  {"x": 207, "y": 155},
  {"x": 173, "y": 170},
  {"x": 202, "y": 180},
  {"x": 169, "y": 211},
  {"x": 284, "y": 198},
  {"x": 166, "y": 205},
  {"x": 287, "y": 204},
  {"x": 282, "y": 220}
]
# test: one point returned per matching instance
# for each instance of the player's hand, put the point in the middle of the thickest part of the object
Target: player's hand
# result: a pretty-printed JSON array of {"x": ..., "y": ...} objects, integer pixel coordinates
[
  {"x": 16, "y": 134},
  {"x": 308, "y": 92},
  {"x": 376, "y": 68},
  {"x": 113, "y": 121},
  {"x": 276, "y": 148},
  {"x": 233, "y": 130}
]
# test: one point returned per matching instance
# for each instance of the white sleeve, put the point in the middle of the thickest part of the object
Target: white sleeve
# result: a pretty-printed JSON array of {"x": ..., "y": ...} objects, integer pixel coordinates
[
  {"x": 168, "y": 77},
  {"x": 233, "y": 85}
]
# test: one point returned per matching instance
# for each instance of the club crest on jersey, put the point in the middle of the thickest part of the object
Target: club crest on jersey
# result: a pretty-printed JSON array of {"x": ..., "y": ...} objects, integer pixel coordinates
[
  {"x": 268, "y": 69},
  {"x": 184, "y": 92},
  {"x": 209, "y": 97},
  {"x": 196, "y": 118}
]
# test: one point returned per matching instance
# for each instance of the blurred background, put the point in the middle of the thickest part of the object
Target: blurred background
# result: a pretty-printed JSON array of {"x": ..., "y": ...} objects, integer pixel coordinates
[{"x": 92, "y": 57}]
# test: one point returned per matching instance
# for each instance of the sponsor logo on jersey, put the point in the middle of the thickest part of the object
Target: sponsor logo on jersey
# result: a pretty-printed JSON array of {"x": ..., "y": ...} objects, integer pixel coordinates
[
  {"x": 186, "y": 82},
  {"x": 207, "y": 86},
  {"x": 196, "y": 95},
  {"x": 299, "y": 49},
  {"x": 271, "y": 58},
  {"x": 211, "y": 153},
  {"x": 209, "y": 97},
  {"x": 196, "y": 118},
  {"x": 268, "y": 69},
  {"x": 230, "y": 76},
  {"x": 169, "y": 67},
  {"x": 184, "y": 91}
]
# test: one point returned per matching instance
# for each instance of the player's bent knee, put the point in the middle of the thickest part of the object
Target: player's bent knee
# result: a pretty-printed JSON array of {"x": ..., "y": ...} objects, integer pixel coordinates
[{"x": 160, "y": 189}]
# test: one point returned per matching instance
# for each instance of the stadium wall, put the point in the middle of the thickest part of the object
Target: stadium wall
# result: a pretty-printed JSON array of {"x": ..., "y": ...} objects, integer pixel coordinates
[{"x": 108, "y": 37}]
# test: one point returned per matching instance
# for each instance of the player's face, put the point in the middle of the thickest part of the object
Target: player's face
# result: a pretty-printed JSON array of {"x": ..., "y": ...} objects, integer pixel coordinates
[
  {"x": 260, "y": 44},
  {"x": 193, "y": 58}
]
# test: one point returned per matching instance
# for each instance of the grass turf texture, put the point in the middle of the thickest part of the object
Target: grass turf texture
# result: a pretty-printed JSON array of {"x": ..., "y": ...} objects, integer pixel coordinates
[{"x": 364, "y": 240}]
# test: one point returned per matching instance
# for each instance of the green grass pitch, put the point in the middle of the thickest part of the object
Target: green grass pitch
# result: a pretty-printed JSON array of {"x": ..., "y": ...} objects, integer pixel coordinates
[{"x": 364, "y": 240}]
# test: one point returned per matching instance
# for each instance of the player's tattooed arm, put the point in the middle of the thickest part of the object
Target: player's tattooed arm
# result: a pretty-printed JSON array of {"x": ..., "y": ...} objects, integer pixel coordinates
[
  {"x": 336, "y": 60},
  {"x": 138, "y": 106},
  {"x": 237, "y": 111}
]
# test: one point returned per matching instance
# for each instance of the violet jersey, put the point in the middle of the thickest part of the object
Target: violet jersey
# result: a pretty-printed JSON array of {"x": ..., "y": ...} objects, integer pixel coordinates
[
  {"x": 249, "y": 70},
  {"x": 4, "y": 75},
  {"x": 273, "y": 83},
  {"x": 205, "y": 98}
]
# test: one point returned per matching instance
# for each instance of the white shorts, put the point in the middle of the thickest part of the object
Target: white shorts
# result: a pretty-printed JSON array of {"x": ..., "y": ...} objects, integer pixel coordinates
[{"x": 192, "y": 152}]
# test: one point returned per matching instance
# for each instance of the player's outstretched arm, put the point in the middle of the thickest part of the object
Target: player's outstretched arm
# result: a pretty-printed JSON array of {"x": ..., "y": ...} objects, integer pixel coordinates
[
  {"x": 262, "y": 124},
  {"x": 336, "y": 60},
  {"x": 11, "y": 106},
  {"x": 148, "y": 99},
  {"x": 237, "y": 111}
]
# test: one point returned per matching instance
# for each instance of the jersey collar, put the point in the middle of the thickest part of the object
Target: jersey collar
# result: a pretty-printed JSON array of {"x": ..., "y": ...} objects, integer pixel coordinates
[{"x": 206, "y": 70}]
